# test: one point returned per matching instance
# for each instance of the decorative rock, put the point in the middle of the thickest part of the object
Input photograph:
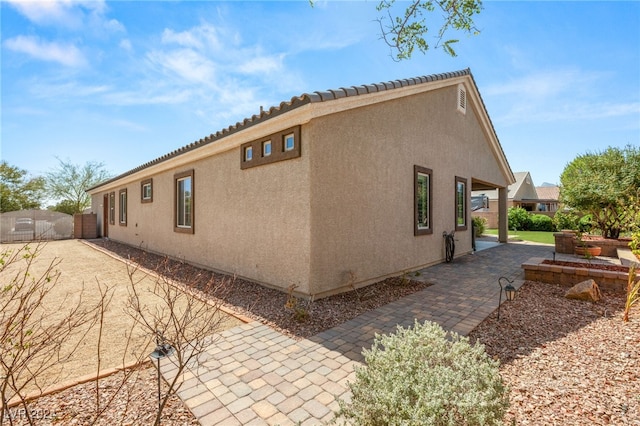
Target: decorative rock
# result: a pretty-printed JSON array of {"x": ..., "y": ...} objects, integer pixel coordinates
[{"x": 586, "y": 290}]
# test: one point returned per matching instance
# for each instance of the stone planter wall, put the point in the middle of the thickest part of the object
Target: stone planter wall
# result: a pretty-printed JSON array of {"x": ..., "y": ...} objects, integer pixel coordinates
[
  {"x": 566, "y": 241},
  {"x": 567, "y": 276}
]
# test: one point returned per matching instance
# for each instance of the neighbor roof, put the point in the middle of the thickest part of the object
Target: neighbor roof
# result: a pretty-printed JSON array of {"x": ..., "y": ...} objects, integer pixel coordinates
[
  {"x": 310, "y": 98},
  {"x": 551, "y": 193}
]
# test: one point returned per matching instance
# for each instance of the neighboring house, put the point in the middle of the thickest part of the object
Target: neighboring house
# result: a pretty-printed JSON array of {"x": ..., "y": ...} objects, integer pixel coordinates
[
  {"x": 330, "y": 191},
  {"x": 521, "y": 193},
  {"x": 548, "y": 198}
]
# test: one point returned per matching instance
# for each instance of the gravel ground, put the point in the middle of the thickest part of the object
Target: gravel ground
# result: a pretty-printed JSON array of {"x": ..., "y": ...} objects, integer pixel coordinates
[{"x": 566, "y": 362}]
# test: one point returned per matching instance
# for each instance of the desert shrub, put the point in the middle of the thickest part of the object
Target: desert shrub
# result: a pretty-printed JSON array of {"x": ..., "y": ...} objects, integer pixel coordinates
[
  {"x": 518, "y": 219},
  {"x": 540, "y": 222},
  {"x": 479, "y": 225},
  {"x": 426, "y": 376},
  {"x": 585, "y": 224}
]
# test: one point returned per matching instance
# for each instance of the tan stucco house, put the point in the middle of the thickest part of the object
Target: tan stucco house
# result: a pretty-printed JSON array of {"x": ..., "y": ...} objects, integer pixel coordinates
[{"x": 328, "y": 191}]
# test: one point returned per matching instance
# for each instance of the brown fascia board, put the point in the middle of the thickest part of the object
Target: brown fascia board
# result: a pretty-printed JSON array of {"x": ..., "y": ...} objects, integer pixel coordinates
[{"x": 295, "y": 102}]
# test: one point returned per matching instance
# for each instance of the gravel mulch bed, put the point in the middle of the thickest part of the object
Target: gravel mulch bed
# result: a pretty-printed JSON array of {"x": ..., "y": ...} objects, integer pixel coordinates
[
  {"x": 268, "y": 305},
  {"x": 566, "y": 362}
]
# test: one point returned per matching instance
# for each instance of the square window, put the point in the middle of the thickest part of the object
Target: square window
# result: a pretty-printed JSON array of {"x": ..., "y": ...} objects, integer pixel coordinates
[
  {"x": 422, "y": 200},
  {"x": 289, "y": 142},
  {"x": 266, "y": 148},
  {"x": 146, "y": 191},
  {"x": 248, "y": 153}
]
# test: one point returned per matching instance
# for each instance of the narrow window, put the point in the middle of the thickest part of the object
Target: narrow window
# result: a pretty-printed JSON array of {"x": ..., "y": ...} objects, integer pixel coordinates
[
  {"x": 248, "y": 153},
  {"x": 289, "y": 142},
  {"x": 146, "y": 191},
  {"x": 461, "y": 204},
  {"x": 184, "y": 202},
  {"x": 112, "y": 208},
  {"x": 266, "y": 148},
  {"x": 422, "y": 200},
  {"x": 123, "y": 206}
]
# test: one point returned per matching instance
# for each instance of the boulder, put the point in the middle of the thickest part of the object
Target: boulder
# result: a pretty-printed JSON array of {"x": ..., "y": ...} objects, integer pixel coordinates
[{"x": 586, "y": 290}]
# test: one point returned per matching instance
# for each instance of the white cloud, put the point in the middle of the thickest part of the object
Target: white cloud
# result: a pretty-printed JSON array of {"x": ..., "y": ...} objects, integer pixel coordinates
[
  {"x": 203, "y": 37},
  {"x": 186, "y": 64},
  {"x": 67, "y": 13},
  {"x": 126, "y": 45},
  {"x": 261, "y": 64},
  {"x": 65, "y": 54},
  {"x": 557, "y": 95}
]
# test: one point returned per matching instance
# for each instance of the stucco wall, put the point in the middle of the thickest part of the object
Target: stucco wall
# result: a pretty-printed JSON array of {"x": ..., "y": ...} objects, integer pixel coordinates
[
  {"x": 340, "y": 214},
  {"x": 362, "y": 185},
  {"x": 253, "y": 223}
]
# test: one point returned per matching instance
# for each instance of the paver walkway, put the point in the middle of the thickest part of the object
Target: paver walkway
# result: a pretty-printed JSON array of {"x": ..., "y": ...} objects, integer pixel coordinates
[{"x": 254, "y": 375}]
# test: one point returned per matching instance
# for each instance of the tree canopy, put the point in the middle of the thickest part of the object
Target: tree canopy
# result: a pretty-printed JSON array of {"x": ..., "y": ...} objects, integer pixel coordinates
[
  {"x": 607, "y": 185},
  {"x": 407, "y": 31},
  {"x": 18, "y": 191},
  {"x": 68, "y": 183}
]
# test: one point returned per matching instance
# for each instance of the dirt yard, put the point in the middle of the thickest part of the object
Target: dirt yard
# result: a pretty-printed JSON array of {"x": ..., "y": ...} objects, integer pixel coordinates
[{"x": 82, "y": 270}]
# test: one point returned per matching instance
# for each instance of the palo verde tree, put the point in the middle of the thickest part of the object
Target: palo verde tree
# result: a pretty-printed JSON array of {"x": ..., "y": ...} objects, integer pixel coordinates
[
  {"x": 606, "y": 185},
  {"x": 404, "y": 28},
  {"x": 404, "y": 32},
  {"x": 68, "y": 183},
  {"x": 18, "y": 191}
]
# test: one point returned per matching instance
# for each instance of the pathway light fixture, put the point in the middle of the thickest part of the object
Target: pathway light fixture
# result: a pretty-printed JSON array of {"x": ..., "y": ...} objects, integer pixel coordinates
[
  {"x": 162, "y": 350},
  {"x": 509, "y": 292}
]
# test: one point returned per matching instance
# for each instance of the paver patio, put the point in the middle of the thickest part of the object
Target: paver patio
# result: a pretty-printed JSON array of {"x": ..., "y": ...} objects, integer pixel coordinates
[{"x": 255, "y": 375}]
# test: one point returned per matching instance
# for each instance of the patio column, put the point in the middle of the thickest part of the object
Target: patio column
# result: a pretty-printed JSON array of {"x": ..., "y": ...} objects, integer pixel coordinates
[{"x": 503, "y": 231}]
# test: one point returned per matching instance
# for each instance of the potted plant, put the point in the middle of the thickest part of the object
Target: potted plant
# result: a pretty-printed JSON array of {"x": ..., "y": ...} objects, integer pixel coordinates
[{"x": 584, "y": 249}]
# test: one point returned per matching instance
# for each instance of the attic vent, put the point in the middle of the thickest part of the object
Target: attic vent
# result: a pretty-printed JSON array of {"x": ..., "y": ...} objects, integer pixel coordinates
[{"x": 462, "y": 99}]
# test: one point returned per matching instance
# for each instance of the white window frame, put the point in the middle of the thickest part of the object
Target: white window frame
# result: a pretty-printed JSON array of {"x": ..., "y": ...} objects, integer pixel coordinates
[
  {"x": 289, "y": 137},
  {"x": 122, "y": 208},
  {"x": 266, "y": 148}
]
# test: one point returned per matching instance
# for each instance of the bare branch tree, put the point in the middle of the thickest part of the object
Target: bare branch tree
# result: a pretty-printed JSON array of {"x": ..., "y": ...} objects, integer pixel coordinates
[
  {"x": 182, "y": 317},
  {"x": 36, "y": 333}
]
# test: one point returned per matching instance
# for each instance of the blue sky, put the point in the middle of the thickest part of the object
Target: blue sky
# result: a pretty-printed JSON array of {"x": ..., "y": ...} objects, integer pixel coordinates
[{"x": 127, "y": 82}]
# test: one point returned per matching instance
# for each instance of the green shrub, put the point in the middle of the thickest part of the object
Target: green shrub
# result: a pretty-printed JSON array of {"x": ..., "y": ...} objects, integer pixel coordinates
[
  {"x": 426, "y": 376},
  {"x": 634, "y": 244},
  {"x": 585, "y": 224},
  {"x": 540, "y": 222},
  {"x": 479, "y": 225},
  {"x": 565, "y": 220},
  {"x": 518, "y": 219}
]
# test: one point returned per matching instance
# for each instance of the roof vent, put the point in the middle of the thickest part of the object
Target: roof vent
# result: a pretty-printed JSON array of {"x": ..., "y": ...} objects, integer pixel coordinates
[{"x": 462, "y": 98}]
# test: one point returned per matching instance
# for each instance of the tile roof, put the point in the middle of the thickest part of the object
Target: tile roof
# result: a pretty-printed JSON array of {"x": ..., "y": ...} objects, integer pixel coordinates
[
  {"x": 548, "y": 192},
  {"x": 295, "y": 102}
]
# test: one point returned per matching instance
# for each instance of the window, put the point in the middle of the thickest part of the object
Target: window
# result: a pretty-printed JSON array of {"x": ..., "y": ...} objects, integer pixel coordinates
[
  {"x": 123, "y": 206},
  {"x": 112, "y": 208},
  {"x": 279, "y": 146},
  {"x": 461, "y": 204},
  {"x": 146, "y": 191},
  {"x": 184, "y": 202},
  {"x": 289, "y": 142},
  {"x": 422, "y": 200}
]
